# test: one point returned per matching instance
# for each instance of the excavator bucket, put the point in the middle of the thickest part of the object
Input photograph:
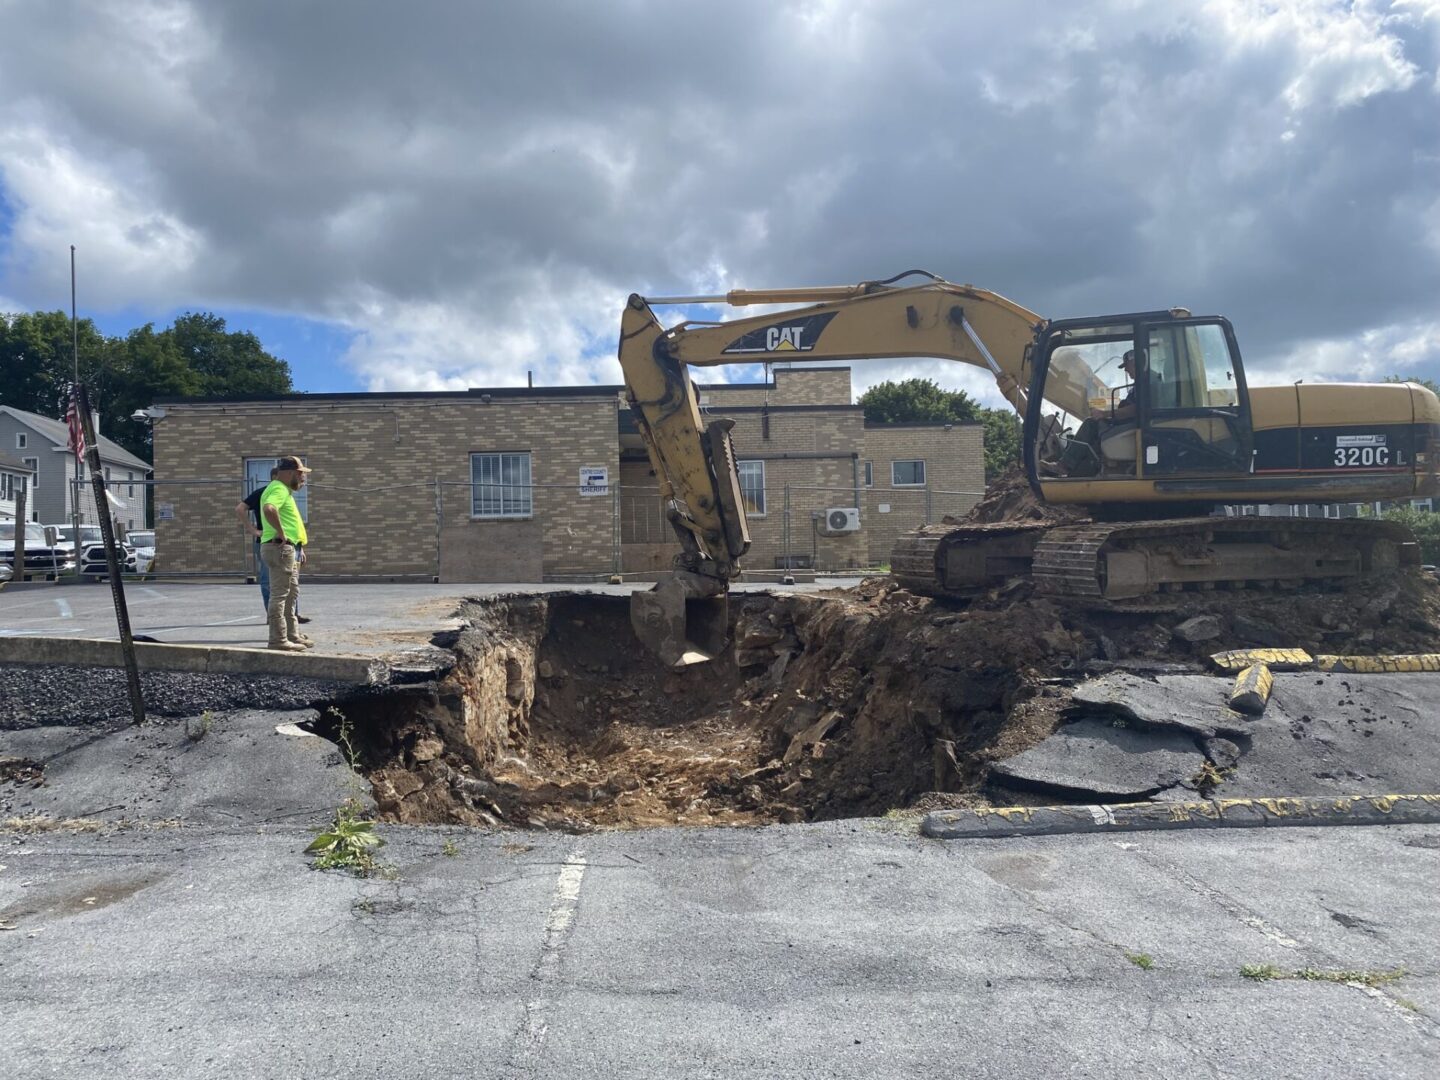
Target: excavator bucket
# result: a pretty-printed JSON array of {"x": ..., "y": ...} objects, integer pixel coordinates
[{"x": 678, "y": 626}]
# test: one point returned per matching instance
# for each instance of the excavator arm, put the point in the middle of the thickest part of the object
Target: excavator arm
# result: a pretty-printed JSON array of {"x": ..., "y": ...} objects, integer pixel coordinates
[{"x": 683, "y": 619}]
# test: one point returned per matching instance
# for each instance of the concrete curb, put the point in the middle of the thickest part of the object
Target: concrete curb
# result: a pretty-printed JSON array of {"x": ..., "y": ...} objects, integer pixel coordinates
[
  {"x": 1001, "y": 821},
  {"x": 153, "y": 656}
]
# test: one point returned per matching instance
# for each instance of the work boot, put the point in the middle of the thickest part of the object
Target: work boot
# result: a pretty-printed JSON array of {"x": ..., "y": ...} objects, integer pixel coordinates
[
  {"x": 288, "y": 646},
  {"x": 302, "y": 618},
  {"x": 303, "y": 641}
]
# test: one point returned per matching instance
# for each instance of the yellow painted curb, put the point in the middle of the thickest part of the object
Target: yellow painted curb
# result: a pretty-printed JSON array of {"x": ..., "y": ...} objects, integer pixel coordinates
[
  {"x": 1378, "y": 665},
  {"x": 1251, "y": 692},
  {"x": 1276, "y": 659}
]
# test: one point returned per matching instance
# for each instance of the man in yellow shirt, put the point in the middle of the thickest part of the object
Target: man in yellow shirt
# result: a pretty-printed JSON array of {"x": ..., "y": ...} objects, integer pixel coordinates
[{"x": 282, "y": 538}]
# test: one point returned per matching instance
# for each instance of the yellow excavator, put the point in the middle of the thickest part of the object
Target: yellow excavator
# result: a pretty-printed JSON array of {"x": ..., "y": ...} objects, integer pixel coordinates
[{"x": 1145, "y": 419}]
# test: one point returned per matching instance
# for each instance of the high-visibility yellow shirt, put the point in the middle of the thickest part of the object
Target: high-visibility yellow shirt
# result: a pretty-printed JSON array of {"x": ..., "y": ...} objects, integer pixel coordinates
[{"x": 282, "y": 498}]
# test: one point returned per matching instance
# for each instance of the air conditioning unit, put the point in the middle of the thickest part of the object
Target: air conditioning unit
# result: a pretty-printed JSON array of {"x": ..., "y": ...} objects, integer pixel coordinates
[{"x": 840, "y": 519}]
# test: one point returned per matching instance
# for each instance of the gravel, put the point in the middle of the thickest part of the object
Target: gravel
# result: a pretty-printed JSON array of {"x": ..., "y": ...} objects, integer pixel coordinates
[{"x": 44, "y": 696}]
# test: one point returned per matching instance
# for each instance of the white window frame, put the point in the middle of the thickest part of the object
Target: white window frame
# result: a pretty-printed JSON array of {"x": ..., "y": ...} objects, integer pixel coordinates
[
  {"x": 760, "y": 502},
  {"x": 130, "y": 486},
  {"x": 22, "y": 441},
  {"x": 34, "y": 464},
  {"x": 908, "y": 461},
  {"x": 513, "y": 499}
]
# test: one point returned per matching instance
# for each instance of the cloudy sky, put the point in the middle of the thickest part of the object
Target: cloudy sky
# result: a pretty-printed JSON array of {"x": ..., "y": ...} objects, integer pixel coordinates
[{"x": 439, "y": 195}]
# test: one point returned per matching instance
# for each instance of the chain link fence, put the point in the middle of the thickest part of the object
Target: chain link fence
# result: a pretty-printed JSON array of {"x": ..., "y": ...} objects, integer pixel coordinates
[{"x": 440, "y": 530}]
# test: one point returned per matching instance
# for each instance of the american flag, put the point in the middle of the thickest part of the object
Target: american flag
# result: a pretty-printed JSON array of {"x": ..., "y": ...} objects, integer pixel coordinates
[{"x": 77, "y": 429}]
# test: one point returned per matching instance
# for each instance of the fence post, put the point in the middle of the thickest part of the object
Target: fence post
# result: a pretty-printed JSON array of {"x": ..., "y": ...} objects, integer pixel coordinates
[
  {"x": 439, "y": 525},
  {"x": 615, "y": 523},
  {"x": 785, "y": 532}
]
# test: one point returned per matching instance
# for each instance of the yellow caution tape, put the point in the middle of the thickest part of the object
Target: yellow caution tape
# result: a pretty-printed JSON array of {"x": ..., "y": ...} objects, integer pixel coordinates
[
  {"x": 1377, "y": 665},
  {"x": 1251, "y": 692},
  {"x": 1278, "y": 659}
]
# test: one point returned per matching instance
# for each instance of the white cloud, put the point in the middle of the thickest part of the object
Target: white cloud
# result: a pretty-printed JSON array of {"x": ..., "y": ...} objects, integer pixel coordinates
[{"x": 473, "y": 192}]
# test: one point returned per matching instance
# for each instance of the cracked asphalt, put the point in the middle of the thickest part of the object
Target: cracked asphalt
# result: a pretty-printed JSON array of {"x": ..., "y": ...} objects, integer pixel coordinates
[
  {"x": 180, "y": 932},
  {"x": 848, "y": 949}
]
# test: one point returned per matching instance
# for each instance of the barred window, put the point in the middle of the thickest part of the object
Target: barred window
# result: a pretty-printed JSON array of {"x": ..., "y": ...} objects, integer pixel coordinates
[
  {"x": 752, "y": 487},
  {"x": 500, "y": 486}
]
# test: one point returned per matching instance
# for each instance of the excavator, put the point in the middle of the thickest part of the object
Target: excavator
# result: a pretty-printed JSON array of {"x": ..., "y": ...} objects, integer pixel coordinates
[{"x": 1144, "y": 419}]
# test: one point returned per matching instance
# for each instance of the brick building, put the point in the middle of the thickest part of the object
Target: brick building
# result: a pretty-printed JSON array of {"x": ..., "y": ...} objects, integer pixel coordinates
[{"x": 545, "y": 484}]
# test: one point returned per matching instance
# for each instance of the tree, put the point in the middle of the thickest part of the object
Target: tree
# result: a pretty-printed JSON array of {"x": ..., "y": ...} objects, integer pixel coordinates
[
  {"x": 195, "y": 357},
  {"x": 923, "y": 400},
  {"x": 917, "y": 400}
]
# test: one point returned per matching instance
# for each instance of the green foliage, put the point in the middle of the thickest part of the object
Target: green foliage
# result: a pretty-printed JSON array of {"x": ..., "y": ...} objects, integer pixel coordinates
[
  {"x": 349, "y": 843},
  {"x": 1266, "y": 972},
  {"x": 1425, "y": 524},
  {"x": 1261, "y": 972},
  {"x": 202, "y": 726},
  {"x": 195, "y": 357},
  {"x": 916, "y": 400},
  {"x": 1144, "y": 961},
  {"x": 925, "y": 401},
  {"x": 450, "y": 849}
]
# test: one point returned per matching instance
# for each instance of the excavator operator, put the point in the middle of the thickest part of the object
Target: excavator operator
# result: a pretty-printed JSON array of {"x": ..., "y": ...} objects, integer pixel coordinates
[{"x": 1082, "y": 456}]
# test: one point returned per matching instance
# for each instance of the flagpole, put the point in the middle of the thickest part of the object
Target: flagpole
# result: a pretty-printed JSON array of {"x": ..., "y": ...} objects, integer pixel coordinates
[{"x": 75, "y": 488}]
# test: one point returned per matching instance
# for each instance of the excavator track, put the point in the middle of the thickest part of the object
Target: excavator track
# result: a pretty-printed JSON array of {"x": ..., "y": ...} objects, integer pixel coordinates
[
  {"x": 963, "y": 560},
  {"x": 1128, "y": 560},
  {"x": 1124, "y": 560}
]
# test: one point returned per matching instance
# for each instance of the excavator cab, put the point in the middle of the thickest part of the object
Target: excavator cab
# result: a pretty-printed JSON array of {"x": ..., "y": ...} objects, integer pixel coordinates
[{"x": 1141, "y": 398}]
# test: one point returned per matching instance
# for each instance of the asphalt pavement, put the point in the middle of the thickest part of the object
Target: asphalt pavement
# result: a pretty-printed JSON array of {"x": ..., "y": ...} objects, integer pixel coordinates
[{"x": 849, "y": 949}]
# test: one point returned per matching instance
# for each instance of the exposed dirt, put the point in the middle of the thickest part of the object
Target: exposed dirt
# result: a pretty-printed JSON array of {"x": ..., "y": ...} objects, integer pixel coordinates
[
  {"x": 828, "y": 706},
  {"x": 1009, "y": 498}
]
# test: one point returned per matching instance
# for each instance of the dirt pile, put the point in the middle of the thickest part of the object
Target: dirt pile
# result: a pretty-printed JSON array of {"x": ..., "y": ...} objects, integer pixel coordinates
[
  {"x": 829, "y": 705},
  {"x": 1009, "y": 498}
]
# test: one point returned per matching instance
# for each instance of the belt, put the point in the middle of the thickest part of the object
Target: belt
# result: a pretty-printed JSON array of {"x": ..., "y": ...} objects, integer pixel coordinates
[{"x": 277, "y": 540}]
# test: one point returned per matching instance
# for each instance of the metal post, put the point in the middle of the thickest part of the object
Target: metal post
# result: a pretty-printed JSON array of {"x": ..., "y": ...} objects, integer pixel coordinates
[
  {"x": 615, "y": 523},
  {"x": 929, "y": 505},
  {"x": 439, "y": 526},
  {"x": 112, "y": 557},
  {"x": 20, "y": 522},
  {"x": 786, "y": 531}
]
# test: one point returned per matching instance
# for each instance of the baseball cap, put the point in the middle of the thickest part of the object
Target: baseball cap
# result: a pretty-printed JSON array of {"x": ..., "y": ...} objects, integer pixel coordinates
[{"x": 294, "y": 463}]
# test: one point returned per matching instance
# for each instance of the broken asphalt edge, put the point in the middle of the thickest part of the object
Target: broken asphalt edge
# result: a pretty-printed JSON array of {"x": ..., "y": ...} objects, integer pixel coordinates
[
  {"x": 1004, "y": 821},
  {"x": 207, "y": 659}
]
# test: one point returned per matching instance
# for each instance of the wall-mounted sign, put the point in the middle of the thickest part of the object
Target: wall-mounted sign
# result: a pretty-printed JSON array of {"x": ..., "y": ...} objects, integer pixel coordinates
[
  {"x": 165, "y": 512},
  {"x": 595, "y": 480}
]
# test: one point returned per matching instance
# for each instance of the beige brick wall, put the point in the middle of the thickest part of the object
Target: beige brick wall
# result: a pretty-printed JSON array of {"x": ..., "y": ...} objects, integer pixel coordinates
[
  {"x": 954, "y": 462},
  {"x": 372, "y": 497},
  {"x": 790, "y": 386}
]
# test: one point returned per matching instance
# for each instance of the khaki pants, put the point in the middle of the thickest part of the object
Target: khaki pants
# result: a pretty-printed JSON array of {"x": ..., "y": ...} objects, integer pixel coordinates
[{"x": 284, "y": 591}]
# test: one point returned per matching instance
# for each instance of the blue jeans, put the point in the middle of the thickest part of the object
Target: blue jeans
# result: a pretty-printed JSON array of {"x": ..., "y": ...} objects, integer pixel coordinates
[{"x": 262, "y": 574}]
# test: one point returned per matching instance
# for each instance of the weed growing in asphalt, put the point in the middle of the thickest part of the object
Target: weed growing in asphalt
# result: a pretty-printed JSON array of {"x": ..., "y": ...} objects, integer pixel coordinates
[
  {"x": 450, "y": 849},
  {"x": 202, "y": 726},
  {"x": 350, "y": 842},
  {"x": 1209, "y": 777},
  {"x": 1267, "y": 972},
  {"x": 1144, "y": 961}
]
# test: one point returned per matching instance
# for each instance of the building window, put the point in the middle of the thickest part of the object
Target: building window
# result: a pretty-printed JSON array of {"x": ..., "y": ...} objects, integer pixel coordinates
[
  {"x": 752, "y": 487},
  {"x": 500, "y": 486},
  {"x": 869, "y": 474},
  {"x": 130, "y": 487},
  {"x": 21, "y": 440},
  {"x": 257, "y": 475},
  {"x": 907, "y": 473},
  {"x": 33, "y": 464}
]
